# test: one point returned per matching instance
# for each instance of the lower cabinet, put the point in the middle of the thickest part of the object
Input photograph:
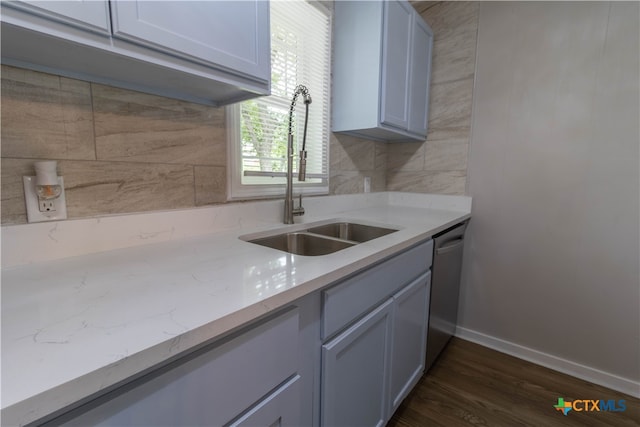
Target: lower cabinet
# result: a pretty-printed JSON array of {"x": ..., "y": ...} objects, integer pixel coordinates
[
  {"x": 246, "y": 380},
  {"x": 369, "y": 368},
  {"x": 281, "y": 408},
  {"x": 344, "y": 356},
  {"x": 355, "y": 367},
  {"x": 410, "y": 315}
]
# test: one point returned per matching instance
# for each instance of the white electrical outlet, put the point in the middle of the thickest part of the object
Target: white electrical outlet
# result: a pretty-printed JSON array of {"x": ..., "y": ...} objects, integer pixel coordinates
[
  {"x": 46, "y": 206},
  {"x": 43, "y": 210},
  {"x": 367, "y": 184}
]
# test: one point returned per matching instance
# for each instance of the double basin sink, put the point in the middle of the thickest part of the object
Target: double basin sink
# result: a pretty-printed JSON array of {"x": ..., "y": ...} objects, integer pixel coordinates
[{"x": 322, "y": 239}]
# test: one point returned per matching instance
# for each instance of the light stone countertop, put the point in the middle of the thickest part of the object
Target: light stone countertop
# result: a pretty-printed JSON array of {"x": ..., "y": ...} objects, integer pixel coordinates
[{"x": 76, "y": 325}]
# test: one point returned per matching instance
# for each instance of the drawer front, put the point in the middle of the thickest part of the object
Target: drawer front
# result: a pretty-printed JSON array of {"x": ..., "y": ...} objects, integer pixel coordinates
[
  {"x": 352, "y": 298},
  {"x": 211, "y": 387},
  {"x": 280, "y": 409}
]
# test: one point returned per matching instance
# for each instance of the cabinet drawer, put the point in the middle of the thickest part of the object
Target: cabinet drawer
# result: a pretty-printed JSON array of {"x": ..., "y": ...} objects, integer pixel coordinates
[
  {"x": 210, "y": 387},
  {"x": 350, "y": 299},
  {"x": 281, "y": 408}
]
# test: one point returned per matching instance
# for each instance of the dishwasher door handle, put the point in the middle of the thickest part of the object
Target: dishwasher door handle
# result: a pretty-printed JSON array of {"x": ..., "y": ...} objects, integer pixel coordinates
[{"x": 450, "y": 246}]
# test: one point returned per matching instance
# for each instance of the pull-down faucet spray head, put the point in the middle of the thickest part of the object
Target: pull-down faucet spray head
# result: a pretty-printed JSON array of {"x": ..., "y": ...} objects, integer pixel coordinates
[
  {"x": 302, "y": 162},
  {"x": 306, "y": 98},
  {"x": 289, "y": 209}
]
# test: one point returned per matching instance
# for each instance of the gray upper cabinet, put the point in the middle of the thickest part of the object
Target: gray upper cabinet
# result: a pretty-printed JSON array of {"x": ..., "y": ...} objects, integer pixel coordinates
[
  {"x": 90, "y": 15},
  {"x": 187, "y": 30},
  {"x": 212, "y": 53},
  {"x": 396, "y": 55},
  {"x": 382, "y": 69},
  {"x": 420, "y": 77}
]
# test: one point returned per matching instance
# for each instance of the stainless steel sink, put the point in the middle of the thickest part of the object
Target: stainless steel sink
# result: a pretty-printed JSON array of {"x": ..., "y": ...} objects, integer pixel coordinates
[
  {"x": 301, "y": 243},
  {"x": 322, "y": 239},
  {"x": 351, "y": 231}
]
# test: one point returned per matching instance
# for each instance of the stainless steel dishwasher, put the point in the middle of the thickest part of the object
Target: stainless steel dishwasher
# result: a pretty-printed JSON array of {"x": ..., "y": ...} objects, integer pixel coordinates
[{"x": 445, "y": 288}]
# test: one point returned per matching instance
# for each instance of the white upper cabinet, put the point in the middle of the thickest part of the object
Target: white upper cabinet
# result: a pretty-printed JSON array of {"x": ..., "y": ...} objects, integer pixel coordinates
[
  {"x": 209, "y": 52},
  {"x": 382, "y": 69}
]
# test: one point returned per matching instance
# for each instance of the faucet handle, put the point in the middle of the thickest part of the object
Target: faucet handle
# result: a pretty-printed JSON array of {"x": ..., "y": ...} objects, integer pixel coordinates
[{"x": 299, "y": 210}]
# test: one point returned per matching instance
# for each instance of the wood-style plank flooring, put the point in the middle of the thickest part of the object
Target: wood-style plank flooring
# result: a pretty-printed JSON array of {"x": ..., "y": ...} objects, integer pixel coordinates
[{"x": 471, "y": 385}]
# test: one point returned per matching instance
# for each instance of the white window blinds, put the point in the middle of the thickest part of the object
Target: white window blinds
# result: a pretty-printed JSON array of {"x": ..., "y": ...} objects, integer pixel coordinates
[{"x": 300, "y": 54}]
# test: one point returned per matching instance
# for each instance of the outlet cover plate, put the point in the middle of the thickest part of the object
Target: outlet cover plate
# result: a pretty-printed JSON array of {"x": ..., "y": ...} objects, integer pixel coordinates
[{"x": 31, "y": 200}]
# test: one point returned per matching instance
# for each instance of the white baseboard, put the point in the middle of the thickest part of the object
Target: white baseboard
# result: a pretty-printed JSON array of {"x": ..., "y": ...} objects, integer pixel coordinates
[{"x": 550, "y": 361}]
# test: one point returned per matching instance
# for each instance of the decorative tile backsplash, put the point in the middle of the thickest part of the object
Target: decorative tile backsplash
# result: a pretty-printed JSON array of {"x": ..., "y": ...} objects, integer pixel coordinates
[
  {"x": 352, "y": 159},
  {"x": 439, "y": 165},
  {"x": 119, "y": 151},
  {"x": 122, "y": 151},
  {"x": 45, "y": 116}
]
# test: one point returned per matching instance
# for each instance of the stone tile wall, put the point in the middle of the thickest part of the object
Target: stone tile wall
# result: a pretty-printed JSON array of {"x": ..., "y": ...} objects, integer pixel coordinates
[
  {"x": 122, "y": 151},
  {"x": 439, "y": 165},
  {"x": 119, "y": 151},
  {"x": 351, "y": 160}
]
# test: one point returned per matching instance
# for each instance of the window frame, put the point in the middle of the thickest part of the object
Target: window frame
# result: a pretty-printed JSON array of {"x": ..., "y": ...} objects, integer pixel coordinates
[{"x": 236, "y": 190}]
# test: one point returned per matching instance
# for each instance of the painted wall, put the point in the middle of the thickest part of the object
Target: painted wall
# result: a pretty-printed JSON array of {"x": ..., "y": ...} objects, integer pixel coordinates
[{"x": 552, "y": 257}]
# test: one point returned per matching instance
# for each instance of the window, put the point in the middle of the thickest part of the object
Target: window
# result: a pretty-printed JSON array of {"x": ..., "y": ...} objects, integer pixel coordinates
[{"x": 300, "y": 54}]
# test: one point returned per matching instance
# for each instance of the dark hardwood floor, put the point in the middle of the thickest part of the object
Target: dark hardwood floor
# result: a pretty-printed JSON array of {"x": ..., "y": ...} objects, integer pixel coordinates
[{"x": 471, "y": 385}]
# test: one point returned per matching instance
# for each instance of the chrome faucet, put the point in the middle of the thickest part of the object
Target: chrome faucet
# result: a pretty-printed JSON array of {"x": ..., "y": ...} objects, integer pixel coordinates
[{"x": 289, "y": 210}]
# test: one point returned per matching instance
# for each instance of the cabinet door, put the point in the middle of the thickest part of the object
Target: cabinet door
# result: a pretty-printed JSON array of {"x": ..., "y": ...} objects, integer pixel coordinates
[
  {"x": 410, "y": 310},
  {"x": 281, "y": 408},
  {"x": 210, "y": 387},
  {"x": 396, "y": 43},
  {"x": 232, "y": 35},
  {"x": 91, "y": 15},
  {"x": 355, "y": 372},
  {"x": 354, "y": 297},
  {"x": 420, "y": 77}
]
